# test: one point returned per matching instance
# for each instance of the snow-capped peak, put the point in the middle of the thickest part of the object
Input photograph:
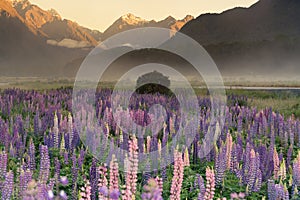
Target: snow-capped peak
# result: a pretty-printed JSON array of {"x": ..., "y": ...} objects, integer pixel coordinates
[{"x": 132, "y": 19}]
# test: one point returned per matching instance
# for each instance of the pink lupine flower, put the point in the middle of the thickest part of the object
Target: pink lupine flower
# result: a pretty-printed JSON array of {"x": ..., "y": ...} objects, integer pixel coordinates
[
  {"x": 276, "y": 163},
  {"x": 210, "y": 184},
  {"x": 228, "y": 150},
  {"x": 102, "y": 182},
  {"x": 239, "y": 196},
  {"x": 85, "y": 192},
  {"x": 131, "y": 174},
  {"x": 177, "y": 176},
  {"x": 113, "y": 174},
  {"x": 159, "y": 183}
]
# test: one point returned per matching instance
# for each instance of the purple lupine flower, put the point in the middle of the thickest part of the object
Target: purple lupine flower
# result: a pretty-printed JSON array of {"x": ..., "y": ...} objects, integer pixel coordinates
[
  {"x": 281, "y": 192},
  {"x": 66, "y": 157},
  {"x": 44, "y": 164},
  {"x": 114, "y": 194},
  {"x": 240, "y": 124},
  {"x": 36, "y": 123},
  {"x": 253, "y": 168},
  {"x": 290, "y": 133},
  {"x": 64, "y": 180},
  {"x": 246, "y": 162},
  {"x": 81, "y": 157},
  {"x": 271, "y": 190},
  {"x": 74, "y": 171},
  {"x": 31, "y": 154},
  {"x": 201, "y": 187},
  {"x": 164, "y": 173},
  {"x": 8, "y": 186},
  {"x": 297, "y": 131},
  {"x": 55, "y": 131},
  {"x": 103, "y": 191},
  {"x": 3, "y": 164},
  {"x": 289, "y": 155},
  {"x": 57, "y": 168},
  {"x": 147, "y": 173},
  {"x": 70, "y": 130},
  {"x": 51, "y": 184},
  {"x": 258, "y": 181},
  {"x": 93, "y": 179},
  {"x": 24, "y": 179},
  {"x": 233, "y": 161},
  {"x": 296, "y": 170},
  {"x": 220, "y": 164},
  {"x": 63, "y": 195}
]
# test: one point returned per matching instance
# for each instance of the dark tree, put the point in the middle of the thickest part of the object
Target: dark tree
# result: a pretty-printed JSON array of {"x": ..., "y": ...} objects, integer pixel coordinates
[{"x": 153, "y": 82}]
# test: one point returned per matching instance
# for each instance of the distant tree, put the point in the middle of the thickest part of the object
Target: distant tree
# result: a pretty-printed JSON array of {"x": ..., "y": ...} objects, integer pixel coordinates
[{"x": 153, "y": 82}]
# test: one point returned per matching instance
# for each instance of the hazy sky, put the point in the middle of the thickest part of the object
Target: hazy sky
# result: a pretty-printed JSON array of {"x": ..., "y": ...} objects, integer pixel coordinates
[{"x": 99, "y": 14}]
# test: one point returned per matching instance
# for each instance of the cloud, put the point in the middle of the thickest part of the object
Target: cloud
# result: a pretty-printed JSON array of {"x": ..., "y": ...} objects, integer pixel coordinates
[{"x": 69, "y": 43}]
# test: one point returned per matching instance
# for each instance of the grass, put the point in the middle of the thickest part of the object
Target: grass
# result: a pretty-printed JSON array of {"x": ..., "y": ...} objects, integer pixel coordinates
[{"x": 285, "y": 102}]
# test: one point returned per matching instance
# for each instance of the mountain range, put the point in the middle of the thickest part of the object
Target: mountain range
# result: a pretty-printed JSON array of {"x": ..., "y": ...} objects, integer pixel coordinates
[
  {"x": 37, "y": 42},
  {"x": 263, "y": 39}
]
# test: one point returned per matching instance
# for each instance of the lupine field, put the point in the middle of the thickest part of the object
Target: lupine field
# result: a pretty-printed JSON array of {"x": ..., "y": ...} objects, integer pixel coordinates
[{"x": 42, "y": 156}]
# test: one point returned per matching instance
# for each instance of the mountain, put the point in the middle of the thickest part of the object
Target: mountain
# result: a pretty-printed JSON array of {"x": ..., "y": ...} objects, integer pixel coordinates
[
  {"x": 23, "y": 49},
  {"x": 130, "y": 21},
  {"x": 33, "y": 15},
  {"x": 261, "y": 39},
  {"x": 37, "y": 42},
  {"x": 50, "y": 24},
  {"x": 64, "y": 32}
]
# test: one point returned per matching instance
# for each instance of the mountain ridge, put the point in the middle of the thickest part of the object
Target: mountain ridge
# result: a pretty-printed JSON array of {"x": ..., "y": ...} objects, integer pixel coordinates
[
  {"x": 36, "y": 42},
  {"x": 130, "y": 21},
  {"x": 261, "y": 39},
  {"x": 49, "y": 24}
]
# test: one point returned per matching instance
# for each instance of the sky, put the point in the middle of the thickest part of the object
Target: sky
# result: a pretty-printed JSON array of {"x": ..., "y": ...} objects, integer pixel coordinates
[{"x": 99, "y": 14}]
